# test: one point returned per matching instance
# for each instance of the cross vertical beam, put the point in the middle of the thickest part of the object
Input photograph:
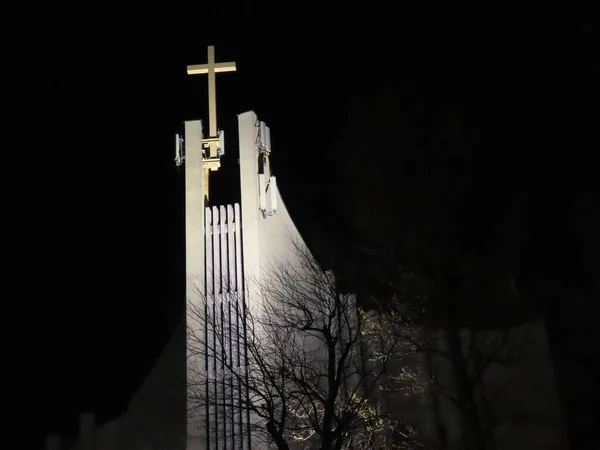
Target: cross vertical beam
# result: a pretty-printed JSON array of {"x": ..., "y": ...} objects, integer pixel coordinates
[{"x": 212, "y": 93}]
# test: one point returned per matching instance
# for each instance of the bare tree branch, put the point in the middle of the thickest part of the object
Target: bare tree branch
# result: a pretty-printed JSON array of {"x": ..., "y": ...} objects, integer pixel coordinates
[{"x": 301, "y": 377}]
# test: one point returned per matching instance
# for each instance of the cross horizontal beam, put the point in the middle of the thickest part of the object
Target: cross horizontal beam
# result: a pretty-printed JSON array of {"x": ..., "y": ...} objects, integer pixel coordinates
[{"x": 197, "y": 69}]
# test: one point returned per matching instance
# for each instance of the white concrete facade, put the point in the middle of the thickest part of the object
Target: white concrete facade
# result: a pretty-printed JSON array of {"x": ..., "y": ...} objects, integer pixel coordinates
[
  {"x": 226, "y": 246},
  {"x": 194, "y": 253},
  {"x": 224, "y": 330},
  {"x": 267, "y": 238},
  {"x": 269, "y": 234}
]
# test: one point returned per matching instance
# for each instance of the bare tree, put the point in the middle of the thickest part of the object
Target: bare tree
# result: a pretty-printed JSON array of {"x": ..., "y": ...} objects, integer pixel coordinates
[
  {"x": 493, "y": 358},
  {"x": 304, "y": 380}
]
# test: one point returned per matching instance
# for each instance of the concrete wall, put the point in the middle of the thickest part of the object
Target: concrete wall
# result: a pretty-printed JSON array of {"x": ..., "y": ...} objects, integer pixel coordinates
[
  {"x": 194, "y": 258},
  {"x": 155, "y": 418},
  {"x": 224, "y": 323},
  {"x": 519, "y": 395},
  {"x": 510, "y": 376},
  {"x": 515, "y": 392},
  {"x": 523, "y": 414},
  {"x": 156, "y": 415},
  {"x": 194, "y": 207},
  {"x": 267, "y": 239},
  {"x": 218, "y": 239}
]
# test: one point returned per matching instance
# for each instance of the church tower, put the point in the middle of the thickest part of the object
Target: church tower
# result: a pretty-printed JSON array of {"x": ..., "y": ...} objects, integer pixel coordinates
[{"x": 226, "y": 246}]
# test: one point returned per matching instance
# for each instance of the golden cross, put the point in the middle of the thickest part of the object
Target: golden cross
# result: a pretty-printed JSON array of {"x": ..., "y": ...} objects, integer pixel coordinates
[{"x": 211, "y": 69}]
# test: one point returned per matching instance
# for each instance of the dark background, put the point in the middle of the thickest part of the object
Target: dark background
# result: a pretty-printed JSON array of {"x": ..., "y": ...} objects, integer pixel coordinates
[{"x": 98, "y": 102}]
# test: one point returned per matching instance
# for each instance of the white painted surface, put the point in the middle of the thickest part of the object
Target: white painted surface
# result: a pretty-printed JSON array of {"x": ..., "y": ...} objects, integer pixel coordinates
[
  {"x": 194, "y": 256},
  {"x": 237, "y": 242},
  {"x": 223, "y": 291},
  {"x": 265, "y": 239},
  {"x": 194, "y": 207}
]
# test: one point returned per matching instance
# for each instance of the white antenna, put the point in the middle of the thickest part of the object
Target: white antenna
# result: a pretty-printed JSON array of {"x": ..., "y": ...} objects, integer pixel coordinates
[
  {"x": 178, "y": 150},
  {"x": 273, "y": 189},
  {"x": 221, "y": 145},
  {"x": 262, "y": 194},
  {"x": 264, "y": 189},
  {"x": 263, "y": 133},
  {"x": 268, "y": 139},
  {"x": 264, "y": 138}
]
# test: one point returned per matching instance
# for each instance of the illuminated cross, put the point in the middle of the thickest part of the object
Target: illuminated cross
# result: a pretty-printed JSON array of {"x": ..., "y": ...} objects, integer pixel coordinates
[{"x": 211, "y": 69}]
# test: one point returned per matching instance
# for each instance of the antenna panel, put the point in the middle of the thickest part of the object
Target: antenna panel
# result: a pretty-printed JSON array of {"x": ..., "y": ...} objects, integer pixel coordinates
[
  {"x": 179, "y": 155},
  {"x": 268, "y": 139},
  {"x": 262, "y": 133},
  {"x": 273, "y": 189},
  {"x": 221, "y": 147},
  {"x": 262, "y": 192}
]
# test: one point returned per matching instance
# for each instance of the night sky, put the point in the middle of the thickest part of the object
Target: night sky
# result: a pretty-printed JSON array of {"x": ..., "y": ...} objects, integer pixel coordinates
[{"x": 103, "y": 200}]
